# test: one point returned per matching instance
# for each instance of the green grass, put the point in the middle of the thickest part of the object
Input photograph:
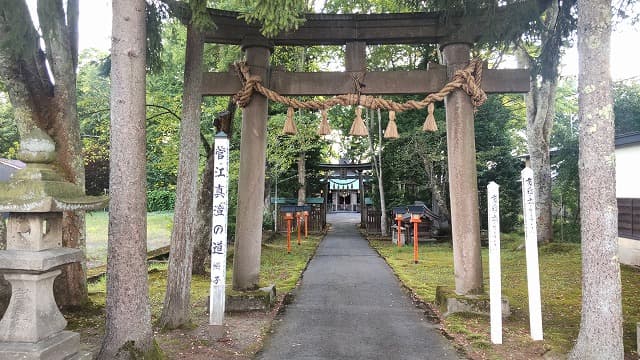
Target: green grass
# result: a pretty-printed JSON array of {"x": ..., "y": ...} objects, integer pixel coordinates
[
  {"x": 159, "y": 226},
  {"x": 277, "y": 267},
  {"x": 560, "y": 277}
]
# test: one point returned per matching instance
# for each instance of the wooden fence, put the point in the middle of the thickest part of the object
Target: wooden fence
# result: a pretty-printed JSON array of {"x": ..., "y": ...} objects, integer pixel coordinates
[
  {"x": 317, "y": 220},
  {"x": 373, "y": 225},
  {"x": 373, "y": 221}
]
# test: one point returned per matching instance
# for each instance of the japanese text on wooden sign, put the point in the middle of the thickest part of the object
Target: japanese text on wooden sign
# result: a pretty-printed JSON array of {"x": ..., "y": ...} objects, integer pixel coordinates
[
  {"x": 219, "y": 229},
  {"x": 495, "y": 282},
  {"x": 531, "y": 248}
]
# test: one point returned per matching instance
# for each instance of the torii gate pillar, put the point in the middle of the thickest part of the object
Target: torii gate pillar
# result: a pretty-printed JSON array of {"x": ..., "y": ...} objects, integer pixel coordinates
[
  {"x": 253, "y": 146},
  {"x": 461, "y": 150}
]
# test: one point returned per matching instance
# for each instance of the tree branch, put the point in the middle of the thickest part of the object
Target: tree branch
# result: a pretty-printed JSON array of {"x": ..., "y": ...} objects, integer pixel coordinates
[{"x": 167, "y": 110}]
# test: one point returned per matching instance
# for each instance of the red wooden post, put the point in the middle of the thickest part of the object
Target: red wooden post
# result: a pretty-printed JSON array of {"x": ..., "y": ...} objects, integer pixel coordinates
[
  {"x": 306, "y": 221},
  {"x": 415, "y": 219},
  {"x": 288, "y": 216},
  {"x": 399, "y": 220},
  {"x": 298, "y": 218}
]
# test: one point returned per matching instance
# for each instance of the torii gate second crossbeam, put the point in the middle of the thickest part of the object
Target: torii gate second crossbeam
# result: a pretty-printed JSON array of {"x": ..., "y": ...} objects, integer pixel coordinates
[{"x": 356, "y": 31}]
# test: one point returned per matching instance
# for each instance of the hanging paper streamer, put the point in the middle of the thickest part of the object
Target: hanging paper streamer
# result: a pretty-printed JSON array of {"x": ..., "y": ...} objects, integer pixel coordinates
[
  {"x": 324, "y": 128},
  {"x": 430, "y": 122},
  {"x": 391, "y": 132},
  {"x": 289, "y": 125},
  {"x": 358, "y": 128}
]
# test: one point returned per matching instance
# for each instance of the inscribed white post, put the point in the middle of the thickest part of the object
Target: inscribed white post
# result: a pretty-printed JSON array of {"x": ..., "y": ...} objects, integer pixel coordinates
[
  {"x": 219, "y": 229},
  {"x": 495, "y": 282},
  {"x": 531, "y": 246}
]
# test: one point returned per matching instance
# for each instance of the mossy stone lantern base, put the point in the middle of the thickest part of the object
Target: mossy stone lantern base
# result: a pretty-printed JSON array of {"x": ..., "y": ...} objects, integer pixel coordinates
[{"x": 32, "y": 326}]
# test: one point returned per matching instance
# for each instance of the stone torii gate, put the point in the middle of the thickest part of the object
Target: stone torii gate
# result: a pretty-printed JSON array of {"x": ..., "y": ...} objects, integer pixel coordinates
[{"x": 454, "y": 37}]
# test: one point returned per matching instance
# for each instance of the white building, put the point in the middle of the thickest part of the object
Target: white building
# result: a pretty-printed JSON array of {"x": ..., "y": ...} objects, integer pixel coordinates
[{"x": 628, "y": 194}]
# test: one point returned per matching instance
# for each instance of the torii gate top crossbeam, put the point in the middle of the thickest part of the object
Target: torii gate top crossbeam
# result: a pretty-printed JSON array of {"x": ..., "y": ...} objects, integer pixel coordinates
[
  {"x": 336, "y": 29},
  {"x": 376, "y": 29}
]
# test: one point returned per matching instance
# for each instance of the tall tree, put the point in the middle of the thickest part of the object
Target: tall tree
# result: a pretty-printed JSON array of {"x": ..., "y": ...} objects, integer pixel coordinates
[
  {"x": 542, "y": 57},
  {"x": 128, "y": 333},
  {"x": 41, "y": 83},
  {"x": 600, "y": 335},
  {"x": 176, "y": 309},
  {"x": 377, "y": 170}
]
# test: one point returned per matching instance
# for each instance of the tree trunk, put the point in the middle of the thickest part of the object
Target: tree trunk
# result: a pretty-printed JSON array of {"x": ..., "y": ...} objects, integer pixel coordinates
[
  {"x": 600, "y": 335},
  {"x": 203, "y": 218},
  {"x": 302, "y": 177},
  {"x": 176, "y": 310},
  {"x": 377, "y": 171},
  {"x": 38, "y": 103},
  {"x": 62, "y": 54},
  {"x": 555, "y": 24},
  {"x": 128, "y": 333},
  {"x": 540, "y": 103}
]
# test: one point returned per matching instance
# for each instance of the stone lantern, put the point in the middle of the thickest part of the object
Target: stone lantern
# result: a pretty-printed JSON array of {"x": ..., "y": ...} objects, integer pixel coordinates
[{"x": 32, "y": 326}]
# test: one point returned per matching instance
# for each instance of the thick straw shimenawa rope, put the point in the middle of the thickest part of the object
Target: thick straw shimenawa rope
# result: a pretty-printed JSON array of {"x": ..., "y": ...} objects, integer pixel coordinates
[{"x": 468, "y": 80}]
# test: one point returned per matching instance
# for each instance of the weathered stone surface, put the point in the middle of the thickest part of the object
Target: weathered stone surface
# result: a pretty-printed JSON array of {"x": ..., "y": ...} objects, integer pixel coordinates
[
  {"x": 38, "y": 260},
  {"x": 61, "y": 346},
  {"x": 32, "y": 314},
  {"x": 37, "y": 146},
  {"x": 463, "y": 184},
  {"x": 262, "y": 299},
  {"x": 39, "y": 188},
  {"x": 449, "y": 303},
  {"x": 215, "y": 332},
  {"x": 34, "y": 232},
  {"x": 5, "y": 295},
  {"x": 253, "y": 147}
]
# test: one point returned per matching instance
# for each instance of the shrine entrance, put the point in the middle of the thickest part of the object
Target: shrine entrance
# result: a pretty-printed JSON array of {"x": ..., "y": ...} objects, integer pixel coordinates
[
  {"x": 345, "y": 187},
  {"x": 460, "y": 82}
]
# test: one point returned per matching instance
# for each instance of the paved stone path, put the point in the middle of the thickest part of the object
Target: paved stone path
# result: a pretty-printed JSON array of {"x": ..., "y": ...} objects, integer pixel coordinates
[{"x": 351, "y": 306}]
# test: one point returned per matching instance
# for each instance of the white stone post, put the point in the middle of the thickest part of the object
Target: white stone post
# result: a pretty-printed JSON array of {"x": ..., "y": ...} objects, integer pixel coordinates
[
  {"x": 495, "y": 282},
  {"x": 219, "y": 236},
  {"x": 531, "y": 246}
]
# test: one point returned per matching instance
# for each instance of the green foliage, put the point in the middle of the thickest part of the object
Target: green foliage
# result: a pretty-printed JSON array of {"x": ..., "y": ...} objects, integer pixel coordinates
[
  {"x": 9, "y": 139},
  {"x": 93, "y": 112},
  {"x": 283, "y": 152},
  {"x": 627, "y": 107},
  {"x": 200, "y": 16},
  {"x": 161, "y": 200},
  {"x": 564, "y": 139},
  {"x": 495, "y": 161},
  {"x": 416, "y": 163},
  {"x": 156, "y": 13},
  {"x": 274, "y": 15},
  {"x": 366, "y": 6},
  {"x": 560, "y": 271}
]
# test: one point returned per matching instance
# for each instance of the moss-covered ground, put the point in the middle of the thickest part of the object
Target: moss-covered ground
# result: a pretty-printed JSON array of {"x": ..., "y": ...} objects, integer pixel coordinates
[
  {"x": 277, "y": 267},
  {"x": 560, "y": 276}
]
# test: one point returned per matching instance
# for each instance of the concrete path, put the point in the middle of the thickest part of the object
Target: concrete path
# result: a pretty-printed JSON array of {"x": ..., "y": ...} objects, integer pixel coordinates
[{"x": 351, "y": 306}]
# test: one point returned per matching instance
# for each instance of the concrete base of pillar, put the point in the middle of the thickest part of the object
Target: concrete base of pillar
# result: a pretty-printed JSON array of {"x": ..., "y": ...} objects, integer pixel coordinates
[
  {"x": 450, "y": 303},
  {"x": 215, "y": 332},
  {"x": 63, "y": 345},
  {"x": 262, "y": 299}
]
